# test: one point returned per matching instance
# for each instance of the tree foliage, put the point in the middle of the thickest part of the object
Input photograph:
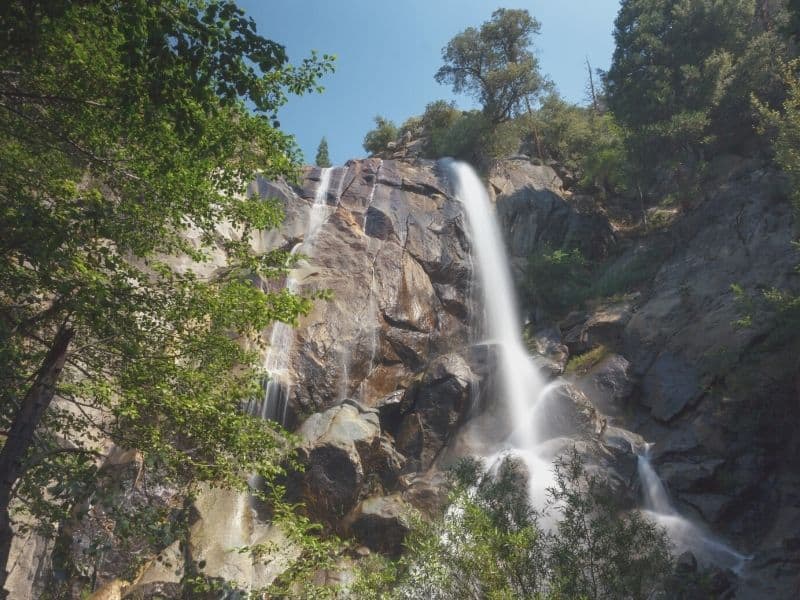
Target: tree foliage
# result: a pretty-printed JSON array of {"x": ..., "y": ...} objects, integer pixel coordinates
[
  {"x": 322, "y": 159},
  {"x": 495, "y": 64},
  {"x": 377, "y": 140},
  {"x": 683, "y": 72},
  {"x": 126, "y": 140},
  {"x": 492, "y": 544}
]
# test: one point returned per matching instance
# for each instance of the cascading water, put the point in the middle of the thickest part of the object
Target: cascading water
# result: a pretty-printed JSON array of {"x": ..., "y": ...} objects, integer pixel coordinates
[
  {"x": 521, "y": 384},
  {"x": 274, "y": 403},
  {"x": 683, "y": 533},
  {"x": 523, "y": 393}
]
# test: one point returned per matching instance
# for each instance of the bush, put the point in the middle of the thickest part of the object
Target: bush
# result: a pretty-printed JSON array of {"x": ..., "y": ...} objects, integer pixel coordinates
[
  {"x": 464, "y": 138},
  {"x": 490, "y": 544},
  {"x": 557, "y": 280},
  {"x": 437, "y": 120},
  {"x": 378, "y": 140}
]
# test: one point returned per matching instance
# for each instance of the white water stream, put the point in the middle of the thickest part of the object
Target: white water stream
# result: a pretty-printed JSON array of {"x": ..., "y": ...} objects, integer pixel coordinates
[
  {"x": 524, "y": 395},
  {"x": 685, "y": 534},
  {"x": 521, "y": 385},
  {"x": 274, "y": 403}
]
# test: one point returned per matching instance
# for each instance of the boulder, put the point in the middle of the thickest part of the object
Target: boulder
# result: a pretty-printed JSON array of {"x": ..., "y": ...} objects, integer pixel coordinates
[
  {"x": 337, "y": 445},
  {"x": 604, "y": 325},
  {"x": 381, "y": 523},
  {"x": 565, "y": 411},
  {"x": 609, "y": 384},
  {"x": 438, "y": 403}
]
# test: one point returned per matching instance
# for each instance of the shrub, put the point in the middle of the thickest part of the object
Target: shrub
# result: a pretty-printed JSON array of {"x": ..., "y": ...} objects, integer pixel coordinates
[
  {"x": 378, "y": 140},
  {"x": 490, "y": 544},
  {"x": 557, "y": 280}
]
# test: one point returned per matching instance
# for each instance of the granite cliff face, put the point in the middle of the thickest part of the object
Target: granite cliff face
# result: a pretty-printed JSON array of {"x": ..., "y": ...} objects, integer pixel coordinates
[{"x": 380, "y": 380}]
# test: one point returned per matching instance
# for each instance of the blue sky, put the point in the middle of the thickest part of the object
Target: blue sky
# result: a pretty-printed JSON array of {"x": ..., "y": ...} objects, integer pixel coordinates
[{"x": 388, "y": 50}]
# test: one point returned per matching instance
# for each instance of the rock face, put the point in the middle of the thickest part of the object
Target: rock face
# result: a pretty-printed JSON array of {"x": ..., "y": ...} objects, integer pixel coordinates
[
  {"x": 394, "y": 254},
  {"x": 535, "y": 213}
]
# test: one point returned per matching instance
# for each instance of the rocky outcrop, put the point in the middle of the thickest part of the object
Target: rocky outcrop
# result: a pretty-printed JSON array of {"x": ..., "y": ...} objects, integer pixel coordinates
[
  {"x": 394, "y": 255},
  {"x": 716, "y": 399},
  {"x": 381, "y": 523},
  {"x": 381, "y": 378},
  {"x": 341, "y": 448},
  {"x": 535, "y": 213},
  {"x": 437, "y": 404}
]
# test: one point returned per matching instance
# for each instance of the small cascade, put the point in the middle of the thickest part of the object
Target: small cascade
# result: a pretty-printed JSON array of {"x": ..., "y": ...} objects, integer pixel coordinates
[
  {"x": 320, "y": 211},
  {"x": 685, "y": 534},
  {"x": 372, "y": 318},
  {"x": 371, "y": 194},
  {"x": 370, "y": 314},
  {"x": 277, "y": 382}
]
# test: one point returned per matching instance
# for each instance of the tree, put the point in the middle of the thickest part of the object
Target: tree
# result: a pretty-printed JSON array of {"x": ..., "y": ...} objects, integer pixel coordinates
[
  {"x": 322, "y": 159},
  {"x": 377, "y": 140},
  {"x": 495, "y": 64},
  {"x": 782, "y": 126},
  {"x": 672, "y": 63},
  {"x": 490, "y": 544},
  {"x": 123, "y": 127}
]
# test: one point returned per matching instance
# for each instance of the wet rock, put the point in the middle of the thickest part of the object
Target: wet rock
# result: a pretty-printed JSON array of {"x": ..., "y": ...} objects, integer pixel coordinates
[
  {"x": 393, "y": 252},
  {"x": 381, "y": 523},
  {"x": 552, "y": 354},
  {"x": 721, "y": 582},
  {"x": 337, "y": 443},
  {"x": 686, "y": 563},
  {"x": 567, "y": 411},
  {"x": 415, "y": 293},
  {"x": 609, "y": 384},
  {"x": 438, "y": 403},
  {"x": 686, "y": 475}
]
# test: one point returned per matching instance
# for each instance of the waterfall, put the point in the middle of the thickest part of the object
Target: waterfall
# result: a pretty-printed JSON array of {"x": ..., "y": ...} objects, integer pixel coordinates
[
  {"x": 685, "y": 534},
  {"x": 274, "y": 403},
  {"x": 523, "y": 393},
  {"x": 521, "y": 385}
]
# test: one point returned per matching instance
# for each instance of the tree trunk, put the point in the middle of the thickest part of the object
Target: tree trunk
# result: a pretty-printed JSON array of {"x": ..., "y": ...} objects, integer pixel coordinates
[{"x": 21, "y": 435}]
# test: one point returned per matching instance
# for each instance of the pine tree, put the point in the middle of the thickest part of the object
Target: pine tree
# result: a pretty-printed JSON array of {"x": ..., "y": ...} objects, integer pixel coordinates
[{"x": 323, "y": 160}]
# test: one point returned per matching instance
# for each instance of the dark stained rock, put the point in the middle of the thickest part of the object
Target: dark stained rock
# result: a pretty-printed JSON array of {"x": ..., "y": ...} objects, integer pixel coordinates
[
  {"x": 669, "y": 386},
  {"x": 438, "y": 403},
  {"x": 337, "y": 445},
  {"x": 381, "y": 523}
]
